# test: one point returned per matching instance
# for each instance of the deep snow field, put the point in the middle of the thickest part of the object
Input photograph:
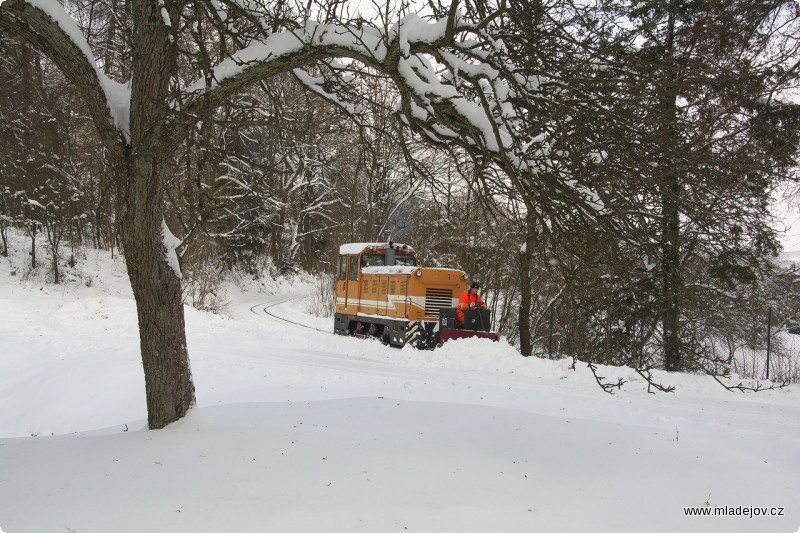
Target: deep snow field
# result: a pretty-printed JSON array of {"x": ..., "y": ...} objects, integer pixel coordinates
[{"x": 299, "y": 430}]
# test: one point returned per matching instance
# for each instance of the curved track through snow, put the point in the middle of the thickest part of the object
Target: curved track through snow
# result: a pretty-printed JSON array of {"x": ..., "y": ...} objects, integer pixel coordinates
[{"x": 265, "y": 310}]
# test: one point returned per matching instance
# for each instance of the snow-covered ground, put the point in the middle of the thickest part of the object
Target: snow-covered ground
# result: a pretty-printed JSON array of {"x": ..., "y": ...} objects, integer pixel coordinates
[{"x": 299, "y": 430}]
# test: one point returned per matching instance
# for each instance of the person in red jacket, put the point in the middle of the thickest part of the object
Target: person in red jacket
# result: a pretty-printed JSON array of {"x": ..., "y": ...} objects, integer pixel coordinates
[{"x": 470, "y": 299}]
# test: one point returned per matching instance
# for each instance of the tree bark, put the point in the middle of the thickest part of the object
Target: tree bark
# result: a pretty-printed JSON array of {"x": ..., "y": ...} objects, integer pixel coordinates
[
  {"x": 159, "y": 306},
  {"x": 4, "y": 235},
  {"x": 56, "y": 277},
  {"x": 32, "y": 233},
  {"x": 140, "y": 195},
  {"x": 526, "y": 290}
]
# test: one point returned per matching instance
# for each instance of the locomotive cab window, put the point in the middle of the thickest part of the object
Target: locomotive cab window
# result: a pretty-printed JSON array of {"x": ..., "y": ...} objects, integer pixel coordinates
[
  {"x": 373, "y": 260},
  {"x": 353, "y": 268},
  {"x": 405, "y": 261},
  {"x": 342, "y": 267}
]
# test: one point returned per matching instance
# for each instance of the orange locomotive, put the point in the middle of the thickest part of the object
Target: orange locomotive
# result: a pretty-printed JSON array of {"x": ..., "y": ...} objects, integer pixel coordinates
[{"x": 381, "y": 292}]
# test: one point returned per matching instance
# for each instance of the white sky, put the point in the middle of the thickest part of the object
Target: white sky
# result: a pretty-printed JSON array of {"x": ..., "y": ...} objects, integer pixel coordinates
[
  {"x": 791, "y": 241},
  {"x": 790, "y": 217}
]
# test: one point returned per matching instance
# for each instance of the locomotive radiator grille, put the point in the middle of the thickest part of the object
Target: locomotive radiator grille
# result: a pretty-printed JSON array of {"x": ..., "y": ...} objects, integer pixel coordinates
[{"x": 436, "y": 299}]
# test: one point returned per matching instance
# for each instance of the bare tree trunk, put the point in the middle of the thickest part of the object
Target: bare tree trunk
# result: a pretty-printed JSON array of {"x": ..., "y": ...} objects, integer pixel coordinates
[
  {"x": 56, "y": 277},
  {"x": 32, "y": 233},
  {"x": 526, "y": 290},
  {"x": 159, "y": 306},
  {"x": 4, "y": 235},
  {"x": 140, "y": 195}
]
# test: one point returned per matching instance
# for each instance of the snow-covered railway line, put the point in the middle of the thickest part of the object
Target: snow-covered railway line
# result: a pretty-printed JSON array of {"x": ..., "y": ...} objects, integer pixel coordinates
[{"x": 265, "y": 310}]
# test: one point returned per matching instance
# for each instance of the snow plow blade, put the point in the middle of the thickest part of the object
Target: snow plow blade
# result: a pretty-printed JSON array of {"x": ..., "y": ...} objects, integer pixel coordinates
[
  {"x": 477, "y": 323},
  {"x": 452, "y": 334}
]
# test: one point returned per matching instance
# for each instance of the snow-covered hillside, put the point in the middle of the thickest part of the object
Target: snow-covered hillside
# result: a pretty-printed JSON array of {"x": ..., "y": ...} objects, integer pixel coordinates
[{"x": 299, "y": 430}]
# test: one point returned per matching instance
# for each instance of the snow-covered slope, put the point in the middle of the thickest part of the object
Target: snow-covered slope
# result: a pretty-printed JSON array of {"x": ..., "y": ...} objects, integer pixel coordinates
[{"x": 300, "y": 430}]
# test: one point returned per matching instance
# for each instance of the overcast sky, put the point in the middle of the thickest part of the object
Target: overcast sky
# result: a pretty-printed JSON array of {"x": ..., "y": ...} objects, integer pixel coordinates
[{"x": 791, "y": 219}]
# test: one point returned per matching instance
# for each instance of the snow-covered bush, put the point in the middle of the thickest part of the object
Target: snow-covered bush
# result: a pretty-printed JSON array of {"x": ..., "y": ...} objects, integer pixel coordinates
[{"x": 322, "y": 302}]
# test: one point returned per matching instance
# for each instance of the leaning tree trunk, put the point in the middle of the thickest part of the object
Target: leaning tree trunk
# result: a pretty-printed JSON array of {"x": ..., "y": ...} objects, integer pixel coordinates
[
  {"x": 140, "y": 196},
  {"x": 159, "y": 306},
  {"x": 156, "y": 288}
]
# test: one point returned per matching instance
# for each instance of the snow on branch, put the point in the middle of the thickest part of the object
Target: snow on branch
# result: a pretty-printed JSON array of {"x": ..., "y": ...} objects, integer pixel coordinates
[
  {"x": 309, "y": 44},
  {"x": 171, "y": 244},
  {"x": 317, "y": 84},
  {"x": 455, "y": 81},
  {"x": 49, "y": 27}
]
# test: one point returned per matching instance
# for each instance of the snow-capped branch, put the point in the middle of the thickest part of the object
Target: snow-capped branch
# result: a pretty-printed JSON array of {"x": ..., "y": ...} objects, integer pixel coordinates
[
  {"x": 455, "y": 80},
  {"x": 46, "y": 25}
]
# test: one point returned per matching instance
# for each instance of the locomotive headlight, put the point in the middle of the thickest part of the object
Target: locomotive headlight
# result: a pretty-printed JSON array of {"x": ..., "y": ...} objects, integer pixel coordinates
[
  {"x": 464, "y": 276},
  {"x": 418, "y": 273}
]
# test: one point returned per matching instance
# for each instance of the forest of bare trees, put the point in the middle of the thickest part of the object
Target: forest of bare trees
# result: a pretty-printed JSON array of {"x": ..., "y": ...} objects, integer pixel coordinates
[{"x": 605, "y": 169}]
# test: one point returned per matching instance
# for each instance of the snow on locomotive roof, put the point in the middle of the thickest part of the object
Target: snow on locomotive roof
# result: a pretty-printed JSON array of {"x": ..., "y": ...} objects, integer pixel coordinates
[
  {"x": 358, "y": 247},
  {"x": 403, "y": 269},
  {"x": 396, "y": 269}
]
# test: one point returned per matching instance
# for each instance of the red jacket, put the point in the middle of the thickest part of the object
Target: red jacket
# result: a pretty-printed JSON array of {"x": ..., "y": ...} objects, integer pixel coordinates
[{"x": 467, "y": 298}]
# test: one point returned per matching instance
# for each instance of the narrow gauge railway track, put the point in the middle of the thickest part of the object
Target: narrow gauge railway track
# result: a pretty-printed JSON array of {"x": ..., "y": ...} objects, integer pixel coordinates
[{"x": 265, "y": 309}]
